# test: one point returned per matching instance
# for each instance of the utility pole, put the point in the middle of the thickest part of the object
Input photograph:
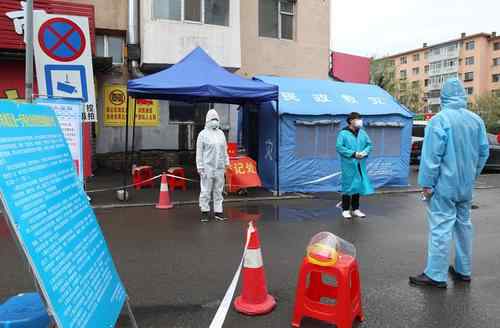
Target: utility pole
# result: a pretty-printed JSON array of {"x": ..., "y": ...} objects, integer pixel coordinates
[{"x": 28, "y": 40}]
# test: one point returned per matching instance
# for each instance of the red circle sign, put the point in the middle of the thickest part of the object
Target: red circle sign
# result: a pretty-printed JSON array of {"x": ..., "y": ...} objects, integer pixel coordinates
[{"x": 61, "y": 39}]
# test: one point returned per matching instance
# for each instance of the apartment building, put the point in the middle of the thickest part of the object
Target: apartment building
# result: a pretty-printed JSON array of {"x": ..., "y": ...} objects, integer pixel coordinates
[{"x": 474, "y": 59}]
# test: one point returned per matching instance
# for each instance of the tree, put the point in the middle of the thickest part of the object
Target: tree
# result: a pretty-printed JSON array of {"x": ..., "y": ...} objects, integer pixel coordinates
[
  {"x": 487, "y": 106},
  {"x": 383, "y": 74}
]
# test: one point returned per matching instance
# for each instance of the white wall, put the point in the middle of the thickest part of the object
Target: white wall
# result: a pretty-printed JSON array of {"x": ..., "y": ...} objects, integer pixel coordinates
[{"x": 167, "y": 42}]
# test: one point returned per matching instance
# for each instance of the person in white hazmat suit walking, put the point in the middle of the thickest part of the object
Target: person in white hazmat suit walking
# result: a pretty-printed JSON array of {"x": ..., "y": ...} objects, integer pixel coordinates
[{"x": 211, "y": 161}]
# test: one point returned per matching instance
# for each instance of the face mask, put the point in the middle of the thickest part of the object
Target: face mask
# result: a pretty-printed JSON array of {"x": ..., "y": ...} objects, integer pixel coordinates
[
  {"x": 358, "y": 124},
  {"x": 213, "y": 124}
]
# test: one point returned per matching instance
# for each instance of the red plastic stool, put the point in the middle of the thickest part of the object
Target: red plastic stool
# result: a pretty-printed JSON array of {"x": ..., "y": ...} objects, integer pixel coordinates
[
  {"x": 346, "y": 293},
  {"x": 141, "y": 174},
  {"x": 175, "y": 182}
]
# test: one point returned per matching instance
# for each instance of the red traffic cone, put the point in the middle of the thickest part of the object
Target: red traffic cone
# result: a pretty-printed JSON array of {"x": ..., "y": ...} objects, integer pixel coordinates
[
  {"x": 254, "y": 299},
  {"x": 164, "y": 201}
]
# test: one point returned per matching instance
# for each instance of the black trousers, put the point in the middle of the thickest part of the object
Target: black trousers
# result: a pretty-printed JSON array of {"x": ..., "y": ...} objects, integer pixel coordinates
[{"x": 349, "y": 202}]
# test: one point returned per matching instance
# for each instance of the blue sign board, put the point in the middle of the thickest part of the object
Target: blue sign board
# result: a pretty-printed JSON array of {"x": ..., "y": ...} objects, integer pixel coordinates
[{"x": 56, "y": 226}]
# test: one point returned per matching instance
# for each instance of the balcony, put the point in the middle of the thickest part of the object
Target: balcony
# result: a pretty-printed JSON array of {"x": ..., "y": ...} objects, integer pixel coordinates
[{"x": 444, "y": 53}]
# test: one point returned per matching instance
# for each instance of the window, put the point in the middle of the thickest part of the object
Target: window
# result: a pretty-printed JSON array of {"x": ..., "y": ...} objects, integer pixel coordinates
[
  {"x": 181, "y": 112},
  {"x": 167, "y": 9},
  {"x": 496, "y": 78},
  {"x": 496, "y": 61},
  {"x": 277, "y": 18},
  {"x": 436, "y": 51},
  {"x": 386, "y": 141},
  {"x": 416, "y": 70},
  {"x": 426, "y": 69},
  {"x": 435, "y": 94},
  {"x": 403, "y": 86},
  {"x": 217, "y": 12},
  {"x": 402, "y": 74},
  {"x": 496, "y": 46},
  {"x": 450, "y": 63},
  {"x": 110, "y": 46},
  {"x": 471, "y": 45},
  {"x": 192, "y": 10},
  {"x": 403, "y": 60},
  {"x": 415, "y": 84},
  {"x": 416, "y": 57},
  {"x": 496, "y": 92},
  {"x": 469, "y": 91},
  {"x": 316, "y": 140},
  {"x": 469, "y": 61},
  {"x": 426, "y": 82},
  {"x": 426, "y": 54},
  {"x": 469, "y": 76}
]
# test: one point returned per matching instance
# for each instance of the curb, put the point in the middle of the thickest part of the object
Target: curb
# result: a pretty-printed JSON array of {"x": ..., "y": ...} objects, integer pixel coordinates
[
  {"x": 270, "y": 198},
  {"x": 195, "y": 202}
]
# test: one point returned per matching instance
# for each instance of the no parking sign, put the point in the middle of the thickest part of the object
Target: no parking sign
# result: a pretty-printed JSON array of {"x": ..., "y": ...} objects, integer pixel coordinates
[{"x": 63, "y": 59}]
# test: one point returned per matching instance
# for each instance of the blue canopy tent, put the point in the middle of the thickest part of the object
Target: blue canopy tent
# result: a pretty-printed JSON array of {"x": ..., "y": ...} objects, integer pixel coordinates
[
  {"x": 198, "y": 79},
  {"x": 311, "y": 114}
]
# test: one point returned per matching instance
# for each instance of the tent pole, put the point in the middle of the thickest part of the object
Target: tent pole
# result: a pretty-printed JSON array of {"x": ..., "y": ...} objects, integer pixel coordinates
[
  {"x": 125, "y": 154},
  {"x": 278, "y": 147},
  {"x": 133, "y": 133}
]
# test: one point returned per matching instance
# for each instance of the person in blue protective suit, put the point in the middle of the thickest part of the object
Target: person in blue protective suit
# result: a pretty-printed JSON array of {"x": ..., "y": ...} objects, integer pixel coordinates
[
  {"x": 454, "y": 153},
  {"x": 212, "y": 161},
  {"x": 354, "y": 146}
]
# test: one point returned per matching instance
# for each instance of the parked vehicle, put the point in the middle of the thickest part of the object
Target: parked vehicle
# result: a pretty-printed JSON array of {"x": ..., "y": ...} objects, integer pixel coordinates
[
  {"x": 493, "y": 162},
  {"x": 417, "y": 140}
]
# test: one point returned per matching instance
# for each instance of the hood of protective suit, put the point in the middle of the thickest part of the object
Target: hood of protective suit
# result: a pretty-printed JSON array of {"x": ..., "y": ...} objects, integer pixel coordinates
[
  {"x": 211, "y": 115},
  {"x": 453, "y": 95}
]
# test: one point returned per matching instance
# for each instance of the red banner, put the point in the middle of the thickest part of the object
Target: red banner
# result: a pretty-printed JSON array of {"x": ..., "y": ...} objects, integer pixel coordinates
[{"x": 242, "y": 174}]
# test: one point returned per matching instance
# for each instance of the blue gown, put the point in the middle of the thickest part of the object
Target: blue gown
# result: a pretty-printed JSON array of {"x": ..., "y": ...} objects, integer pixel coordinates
[
  {"x": 454, "y": 153},
  {"x": 354, "y": 174}
]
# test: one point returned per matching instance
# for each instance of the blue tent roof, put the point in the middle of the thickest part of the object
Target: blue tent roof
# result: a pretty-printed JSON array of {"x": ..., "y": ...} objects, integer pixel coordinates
[
  {"x": 198, "y": 78},
  {"x": 324, "y": 97}
]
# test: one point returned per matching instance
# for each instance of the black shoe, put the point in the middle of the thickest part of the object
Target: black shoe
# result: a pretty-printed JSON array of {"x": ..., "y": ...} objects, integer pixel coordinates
[
  {"x": 423, "y": 280},
  {"x": 474, "y": 206},
  {"x": 458, "y": 276},
  {"x": 205, "y": 217},
  {"x": 219, "y": 217}
]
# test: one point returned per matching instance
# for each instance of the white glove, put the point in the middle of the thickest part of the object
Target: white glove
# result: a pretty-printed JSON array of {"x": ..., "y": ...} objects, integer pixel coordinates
[
  {"x": 363, "y": 154},
  {"x": 201, "y": 171},
  {"x": 358, "y": 155}
]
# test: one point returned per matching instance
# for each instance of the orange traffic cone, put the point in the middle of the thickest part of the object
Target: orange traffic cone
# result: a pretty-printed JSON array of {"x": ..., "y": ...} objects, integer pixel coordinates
[
  {"x": 254, "y": 299},
  {"x": 164, "y": 201}
]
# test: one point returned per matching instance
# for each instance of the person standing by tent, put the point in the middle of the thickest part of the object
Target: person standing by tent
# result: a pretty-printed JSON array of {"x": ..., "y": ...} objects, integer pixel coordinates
[
  {"x": 353, "y": 146},
  {"x": 211, "y": 161},
  {"x": 455, "y": 152}
]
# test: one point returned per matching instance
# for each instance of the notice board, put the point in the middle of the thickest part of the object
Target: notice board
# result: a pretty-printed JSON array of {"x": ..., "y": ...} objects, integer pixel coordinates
[{"x": 51, "y": 217}]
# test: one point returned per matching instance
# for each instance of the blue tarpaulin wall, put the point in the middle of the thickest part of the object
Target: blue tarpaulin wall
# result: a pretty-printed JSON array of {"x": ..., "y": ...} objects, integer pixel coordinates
[{"x": 312, "y": 112}]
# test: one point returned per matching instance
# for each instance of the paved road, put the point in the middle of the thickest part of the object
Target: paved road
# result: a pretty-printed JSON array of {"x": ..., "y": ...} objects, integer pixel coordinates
[{"x": 176, "y": 270}]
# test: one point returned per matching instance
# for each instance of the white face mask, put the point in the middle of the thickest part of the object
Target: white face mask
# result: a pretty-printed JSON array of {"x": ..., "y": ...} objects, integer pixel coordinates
[
  {"x": 213, "y": 124},
  {"x": 358, "y": 124}
]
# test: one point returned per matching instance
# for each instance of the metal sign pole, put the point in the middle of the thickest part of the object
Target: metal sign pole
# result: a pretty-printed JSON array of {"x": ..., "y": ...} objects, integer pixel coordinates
[
  {"x": 131, "y": 314},
  {"x": 28, "y": 33}
]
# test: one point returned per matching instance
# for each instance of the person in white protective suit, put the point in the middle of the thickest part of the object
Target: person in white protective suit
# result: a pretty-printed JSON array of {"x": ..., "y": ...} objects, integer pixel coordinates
[{"x": 211, "y": 161}]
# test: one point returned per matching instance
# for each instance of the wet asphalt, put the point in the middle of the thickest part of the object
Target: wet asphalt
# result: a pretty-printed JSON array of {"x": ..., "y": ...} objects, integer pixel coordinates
[{"x": 176, "y": 270}]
